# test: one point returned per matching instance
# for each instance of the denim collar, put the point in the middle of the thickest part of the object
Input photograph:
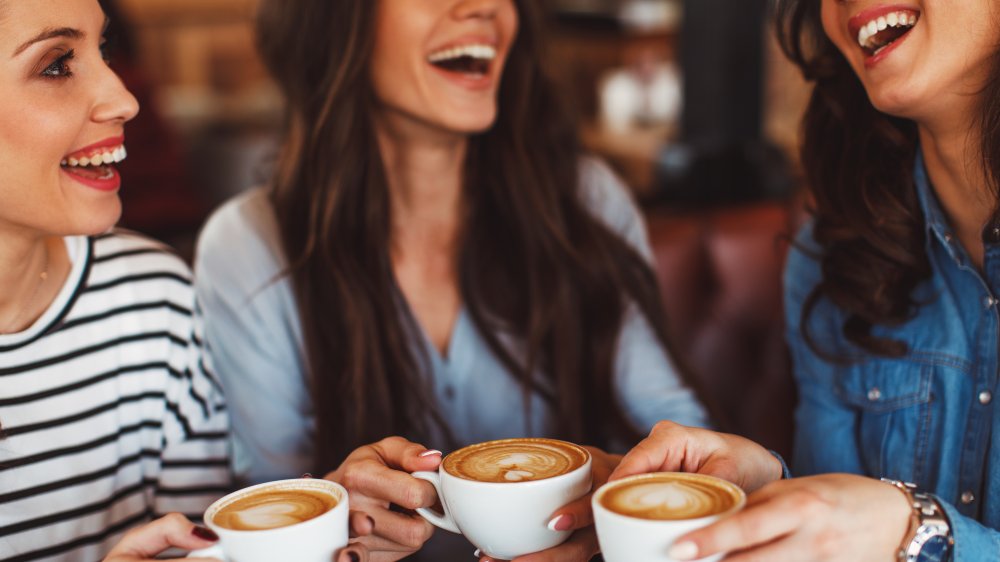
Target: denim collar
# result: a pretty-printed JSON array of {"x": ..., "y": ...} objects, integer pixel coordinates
[{"x": 938, "y": 227}]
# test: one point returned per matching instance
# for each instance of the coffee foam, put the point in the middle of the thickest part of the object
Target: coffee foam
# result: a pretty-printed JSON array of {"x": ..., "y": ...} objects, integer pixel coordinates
[
  {"x": 273, "y": 508},
  {"x": 515, "y": 460},
  {"x": 671, "y": 497}
]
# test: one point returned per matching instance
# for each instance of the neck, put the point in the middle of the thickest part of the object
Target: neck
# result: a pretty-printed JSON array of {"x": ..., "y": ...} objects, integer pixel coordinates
[
  {"x": 23, "y": 261},
  {"x": 955, "y": 168},
  {"x": 425, "y": 174}
]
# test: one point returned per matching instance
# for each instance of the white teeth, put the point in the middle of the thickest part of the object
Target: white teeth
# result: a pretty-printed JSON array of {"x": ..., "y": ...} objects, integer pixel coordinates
[
  {"x": 100, "y": 159},
  {"x": 894, "y": 19},
  {"x": 484, "y": 52}
]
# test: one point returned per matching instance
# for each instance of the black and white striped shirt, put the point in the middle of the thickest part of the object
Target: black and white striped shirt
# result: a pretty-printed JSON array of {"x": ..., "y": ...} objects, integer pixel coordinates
[{"x": 110, "y": 413}]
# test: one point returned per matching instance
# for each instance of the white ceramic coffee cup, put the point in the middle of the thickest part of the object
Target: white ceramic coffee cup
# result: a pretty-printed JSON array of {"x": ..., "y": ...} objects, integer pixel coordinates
[
  {"x": 505, "y": 520},
  {"x": 314, "y": 540},
  {"x": 625, "y": 538}
]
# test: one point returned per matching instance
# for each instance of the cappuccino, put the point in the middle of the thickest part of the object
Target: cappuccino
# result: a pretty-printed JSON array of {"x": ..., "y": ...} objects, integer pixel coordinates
[
  {"x": 515, "y": 460},
  {"x": 273, "y": 508},
  {"x": 672, "y": 497}
]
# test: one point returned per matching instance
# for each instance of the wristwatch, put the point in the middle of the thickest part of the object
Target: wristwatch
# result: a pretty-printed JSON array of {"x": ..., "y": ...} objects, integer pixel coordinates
[{"x": 929, "y": 537}]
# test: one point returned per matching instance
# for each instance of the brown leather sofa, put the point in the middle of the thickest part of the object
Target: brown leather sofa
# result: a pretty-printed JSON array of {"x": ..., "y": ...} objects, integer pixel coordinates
[{"x": 720, "y": 273}]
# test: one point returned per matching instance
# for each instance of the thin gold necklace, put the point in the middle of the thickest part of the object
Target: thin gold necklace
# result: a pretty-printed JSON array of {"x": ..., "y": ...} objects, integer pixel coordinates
[{"x": 42, "y": 277}]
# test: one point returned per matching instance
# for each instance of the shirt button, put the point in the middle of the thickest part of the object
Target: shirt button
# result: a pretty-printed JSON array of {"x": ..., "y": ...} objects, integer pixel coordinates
[
  {"x": 985, "y": 397},
  {"x": 874, "y": 394},
  {"x": 948, "y": 237},
  {"x": 968, "y": 497},
  {"x": 989, "y": 302}
]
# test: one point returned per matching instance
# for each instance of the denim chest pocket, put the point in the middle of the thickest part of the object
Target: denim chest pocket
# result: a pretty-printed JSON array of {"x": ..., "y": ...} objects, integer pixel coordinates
[{"x": 895, "y": 408}]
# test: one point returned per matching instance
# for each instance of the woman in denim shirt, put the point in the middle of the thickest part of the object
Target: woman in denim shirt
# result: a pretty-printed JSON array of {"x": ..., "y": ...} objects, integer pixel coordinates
[{"x": 892, "y": 318}]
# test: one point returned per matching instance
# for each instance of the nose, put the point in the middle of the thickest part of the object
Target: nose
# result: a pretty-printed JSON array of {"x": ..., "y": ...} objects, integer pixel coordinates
[
  {"x": 114, "y": 102},
  {"x": 481, "y": 9}
]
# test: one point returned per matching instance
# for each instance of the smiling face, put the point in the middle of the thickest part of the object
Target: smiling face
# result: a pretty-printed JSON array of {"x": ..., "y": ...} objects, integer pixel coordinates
[
  {"x": 62, "y": 122},
  {"x": 917, "y": 59},
  {"x": 439, "y": 62}
]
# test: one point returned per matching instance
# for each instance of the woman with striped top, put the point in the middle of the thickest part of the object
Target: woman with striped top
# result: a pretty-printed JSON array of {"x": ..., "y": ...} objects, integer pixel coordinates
[{"x": 110, "y": 414}]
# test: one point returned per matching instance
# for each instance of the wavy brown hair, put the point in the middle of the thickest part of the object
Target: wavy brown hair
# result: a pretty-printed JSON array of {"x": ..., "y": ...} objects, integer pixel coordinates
[
  {"x": 859, "y": 165},
  {"x": 534, "y": 266}
]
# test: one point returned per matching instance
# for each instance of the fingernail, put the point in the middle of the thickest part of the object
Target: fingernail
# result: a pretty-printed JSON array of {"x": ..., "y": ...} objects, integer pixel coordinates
[
  {"x": 477, "y": 553},
  {"x": 307, "y": 475},
  {"x": 562, "y": 523},
  {"x": 430, "y": 452},
  {"x": 370, "y": 521},
  {"x": 686, "y": 550},
  {"x": 354, "y": 556},
  {"x": 204, "y": 533}
]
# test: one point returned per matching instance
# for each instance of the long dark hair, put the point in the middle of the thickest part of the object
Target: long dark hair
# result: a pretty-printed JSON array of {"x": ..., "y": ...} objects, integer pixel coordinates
[
  {"x": 534, "y": 266},
  {"x": 859, "y": 164}
]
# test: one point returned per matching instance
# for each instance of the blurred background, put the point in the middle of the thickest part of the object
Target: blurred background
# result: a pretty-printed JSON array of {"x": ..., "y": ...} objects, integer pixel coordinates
[{"x": 690, "y": 101}]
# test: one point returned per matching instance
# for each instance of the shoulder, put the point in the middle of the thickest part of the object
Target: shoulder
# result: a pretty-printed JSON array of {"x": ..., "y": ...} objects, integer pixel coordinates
[
  {"x": 803, "y": 270},
  {"x": 609, "y": 200},
  {"x": 122, "y": 257},
  {"x": 803, "y": 274},
  {"x": 241, "y": 243},
  {"x": 606, "y": 195}
]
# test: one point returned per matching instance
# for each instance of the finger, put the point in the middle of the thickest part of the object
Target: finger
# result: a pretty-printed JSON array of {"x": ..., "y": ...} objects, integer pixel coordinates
[
  {"x": 575, "y": 515},
  {"x": 655, "y": 453},
  {"x": 172, "y": 530},
  {"x": 755, "y": 525},
  {"x": 353, "y": 553},
  {"x": 578, "y": 514},
  {"x": 373, "y": 479},
  {"x": 580, "y": 547},
  {"x": 401, "y": 454},
  {"x": 410, "y": 532},
  {"x": 361, "y": 525}
]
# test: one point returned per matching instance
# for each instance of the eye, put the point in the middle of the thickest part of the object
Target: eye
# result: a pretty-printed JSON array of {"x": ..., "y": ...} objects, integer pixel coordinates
[{"x": 60, "y": 68}]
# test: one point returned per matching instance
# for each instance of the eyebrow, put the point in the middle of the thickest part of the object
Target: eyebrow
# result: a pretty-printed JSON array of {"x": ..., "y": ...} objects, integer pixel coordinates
[{"x": 50, "y": 33}]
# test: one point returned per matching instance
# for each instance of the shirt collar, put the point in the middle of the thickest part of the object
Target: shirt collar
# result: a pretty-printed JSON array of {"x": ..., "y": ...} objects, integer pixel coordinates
[{"x": 938, "y": 227}]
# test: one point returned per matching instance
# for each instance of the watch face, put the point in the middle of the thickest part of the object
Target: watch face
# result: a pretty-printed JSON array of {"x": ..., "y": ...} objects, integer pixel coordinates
[{"x": 936, "y": 549}]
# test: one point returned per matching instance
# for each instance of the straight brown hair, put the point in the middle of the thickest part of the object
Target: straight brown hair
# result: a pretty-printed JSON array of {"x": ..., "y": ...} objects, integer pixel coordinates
[{"x": 535, "y": 267}]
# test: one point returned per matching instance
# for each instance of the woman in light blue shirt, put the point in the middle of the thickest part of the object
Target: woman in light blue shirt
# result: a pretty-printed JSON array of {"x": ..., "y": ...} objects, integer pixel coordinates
[
  {"x": 433, "y": 260},
  {"x": 890, "y": 298}
]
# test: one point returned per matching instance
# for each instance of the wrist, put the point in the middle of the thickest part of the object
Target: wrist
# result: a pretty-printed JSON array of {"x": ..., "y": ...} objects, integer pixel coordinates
[{"x": 928, "y": 536}]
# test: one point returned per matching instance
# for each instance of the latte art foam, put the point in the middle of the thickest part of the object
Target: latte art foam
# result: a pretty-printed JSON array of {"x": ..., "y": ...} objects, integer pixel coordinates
[
  {"x": 671, "y": 498},
  {"x": 515, "y": 460},
  {"x": 271, "y": 509}
]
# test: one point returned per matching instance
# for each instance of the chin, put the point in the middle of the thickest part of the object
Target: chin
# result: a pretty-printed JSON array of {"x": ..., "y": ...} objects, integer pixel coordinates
[
  {"x": 97, "y": 222},
  {"x": 897, "y": 100}
]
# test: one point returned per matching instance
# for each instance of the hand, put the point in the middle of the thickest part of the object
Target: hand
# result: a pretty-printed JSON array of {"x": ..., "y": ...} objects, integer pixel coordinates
[
  {"x": 578, "y": 517},
  {"x": 174, "y": 530},
  {"x": 675, "y": 448},
  {"x": 828, "y": 518},
  {"x": 377, "y": 477}
]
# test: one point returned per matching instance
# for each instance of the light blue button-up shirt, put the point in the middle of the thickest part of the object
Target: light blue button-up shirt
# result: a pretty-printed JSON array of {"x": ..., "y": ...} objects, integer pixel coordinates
[
  {"x": 928, "y": 417},
  {"x": 253, "y": 328}
]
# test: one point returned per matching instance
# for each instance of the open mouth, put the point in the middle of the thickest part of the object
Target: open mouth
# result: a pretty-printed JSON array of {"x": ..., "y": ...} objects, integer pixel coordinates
[
  {"x": 471, "y": 60},
  {"x": 96, "y": 164},
  {"x": 881, "y": 32}
]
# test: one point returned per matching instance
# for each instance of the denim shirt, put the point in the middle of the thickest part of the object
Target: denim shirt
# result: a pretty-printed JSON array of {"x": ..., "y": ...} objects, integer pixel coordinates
[{"x": 927, "y": 417}]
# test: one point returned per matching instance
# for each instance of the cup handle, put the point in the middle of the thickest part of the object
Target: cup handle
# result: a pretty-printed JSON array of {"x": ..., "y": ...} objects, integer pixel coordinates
[
  {"x": 210, "y": 552},
  {"x": 443, "y": 520}
]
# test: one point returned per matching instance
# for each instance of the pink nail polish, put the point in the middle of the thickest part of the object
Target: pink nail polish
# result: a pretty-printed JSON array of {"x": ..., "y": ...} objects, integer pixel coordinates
[{"x": 562, "y": 523}]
